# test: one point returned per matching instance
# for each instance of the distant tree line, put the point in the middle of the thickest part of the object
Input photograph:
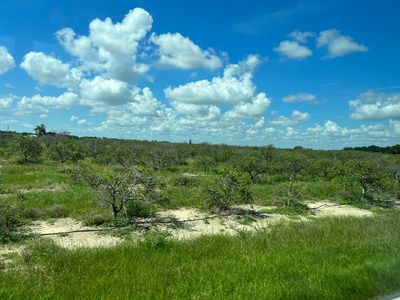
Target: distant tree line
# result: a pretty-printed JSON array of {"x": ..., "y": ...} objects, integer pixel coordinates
[{"x": 389, "y": 149}]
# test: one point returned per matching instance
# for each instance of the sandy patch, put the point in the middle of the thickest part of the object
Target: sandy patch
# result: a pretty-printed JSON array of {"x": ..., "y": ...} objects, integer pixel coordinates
[
  {"x": 75, "y": 239},
  {"x": 190, "y": 175},
  {"x": 51, "y": 188},
  {"x": 329, "y": 208},
  {"x": 190, "y": 223},
  {"x": 248, "y": 220}
]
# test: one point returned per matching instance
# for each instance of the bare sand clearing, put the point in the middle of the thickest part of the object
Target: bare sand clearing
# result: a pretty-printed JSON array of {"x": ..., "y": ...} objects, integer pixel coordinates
[
  {"x": 329, "y": 208},
  {"x": 196, "y": 223},
  {"x": 75, "y": 239},
  {"x": 192, "y": 223}
]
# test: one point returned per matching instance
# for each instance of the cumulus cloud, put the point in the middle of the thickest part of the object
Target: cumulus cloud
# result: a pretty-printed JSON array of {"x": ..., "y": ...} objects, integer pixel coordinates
[
  {"x": 49, "y": 70},
  {"x": 338, "y": 44},
  {"x": 375, "y": 106},
  {"x": 41, "y": 104},
  {"x": 145, "y": 104},
  {"x": 101, "y": 93},
  {"x": 209, "y": 112},
  {"x": 6, "y": 102},
  {"x": 296, "y": 118},
  {"x": 177, "y": 51},
  {"x": 300, "y": 97},
  {"x": 292, "y": 50},
  {"x": 253, "y": 109},
  {"x": 300, "y": 36},
  {"x": 111, "y": 47},
  {"x": 233, "y": 87},
  {"x": 331, "y": 129},
  {"x": 6, "y": 60}
]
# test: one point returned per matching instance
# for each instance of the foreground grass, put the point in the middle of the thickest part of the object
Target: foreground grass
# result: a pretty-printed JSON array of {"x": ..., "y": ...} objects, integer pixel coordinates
[{"x": 337, "y": 258}]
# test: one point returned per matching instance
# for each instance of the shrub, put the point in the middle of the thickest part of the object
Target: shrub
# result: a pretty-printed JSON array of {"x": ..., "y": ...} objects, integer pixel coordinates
[
  {"x": 28, "y": 149},
  {"x": 229, "y": 188},
  {"x": 137, "y": 209},
  {"x": 9, "y": 221}
]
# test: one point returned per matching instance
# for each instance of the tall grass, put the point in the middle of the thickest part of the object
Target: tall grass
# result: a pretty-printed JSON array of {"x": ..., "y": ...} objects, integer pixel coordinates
[{"x": 337, "y": 258}]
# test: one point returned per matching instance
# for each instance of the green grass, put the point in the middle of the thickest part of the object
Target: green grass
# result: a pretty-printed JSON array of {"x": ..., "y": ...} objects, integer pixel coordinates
[{"x": 336, "y": 258}]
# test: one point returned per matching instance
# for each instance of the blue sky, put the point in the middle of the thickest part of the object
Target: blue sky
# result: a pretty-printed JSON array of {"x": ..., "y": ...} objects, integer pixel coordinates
[{"x": 320, "y": 74}]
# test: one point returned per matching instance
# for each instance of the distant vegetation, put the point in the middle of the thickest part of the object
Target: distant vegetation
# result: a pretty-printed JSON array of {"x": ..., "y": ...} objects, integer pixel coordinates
[{"x": 389, "y": 149}]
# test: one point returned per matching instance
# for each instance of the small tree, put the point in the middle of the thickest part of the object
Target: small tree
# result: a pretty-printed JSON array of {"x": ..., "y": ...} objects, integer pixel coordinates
[
  {"x": 40, "y": 130},
  {"x": 28, "y": 149},
  {"x": 204, "y": 162},
  {"x": 364, "y": 175},
  {"x": 229, "y": 188},
  {"x": 63, "y": 150},
  {"x": 252, "y": 165},
  {"x": 117, "y": 187}
]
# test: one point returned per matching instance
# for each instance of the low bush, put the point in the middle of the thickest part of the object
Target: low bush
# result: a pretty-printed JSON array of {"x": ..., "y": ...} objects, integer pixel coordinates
[{"x": 10, "y": 220}]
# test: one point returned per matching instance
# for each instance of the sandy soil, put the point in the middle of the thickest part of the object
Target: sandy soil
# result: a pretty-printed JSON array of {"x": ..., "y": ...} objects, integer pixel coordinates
[
  {"x": 328, "y": 208},
  {"x": 76, "y": 239},
  {"x": 230, "y": 224}
]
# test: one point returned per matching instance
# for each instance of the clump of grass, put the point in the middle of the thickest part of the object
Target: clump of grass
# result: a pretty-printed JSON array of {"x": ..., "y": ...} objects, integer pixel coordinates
[{"x": 247, "y": 220}]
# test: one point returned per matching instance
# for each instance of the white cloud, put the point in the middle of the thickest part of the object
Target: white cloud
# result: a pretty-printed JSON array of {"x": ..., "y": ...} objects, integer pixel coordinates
[
  {"x": 6, "y": 60},
  {"x": 41, "y": 104},
  {"x": 177, "y": 51},
  {"x": 49, "y": 70},
  {"x": 209, "y": 112},
  {"x": 81, "y": 47},
  {"x": 6, "y": 102},
  {"x": 74, "y": 118},
  {"x": 375, "y": 106},
  {"x": 249, "y": 110},
  {"x": 293, "y": 50},
  {"x": 101, "y": 93},
  {"x": 145, "y": 104},
  {"x": 338, "y": 44},
  {"x": 260, "y": 123},
  {"x": 233, "y": 87},
  {"x": 111, "y": 47},
  {"x": 300, "y": 36},
  {"x": 300, "y": 97},
  {"x": 395, "y": 125},
  {"x": 82, "y": 122},
  {"x": 296, "y": 118}
]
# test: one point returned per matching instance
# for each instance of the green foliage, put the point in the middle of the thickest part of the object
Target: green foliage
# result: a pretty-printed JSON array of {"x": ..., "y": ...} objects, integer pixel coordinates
[
  {"x": 360, "y": 179},
  {"x": 64, "y": 150},
  {"x": 117, "y": 186},
  {"x": 27, "y": 149},
  {"x": 10, "y": 220},
  {"x": 139, "y": 209},
  {"x": 252, "y": 165},
  {"x": 227, "y": 189},
  {"x": 40, "y": 130}
]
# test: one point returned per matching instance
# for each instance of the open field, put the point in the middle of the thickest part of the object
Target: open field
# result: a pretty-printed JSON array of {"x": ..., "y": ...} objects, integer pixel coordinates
[{"x": 141, "y": 220}]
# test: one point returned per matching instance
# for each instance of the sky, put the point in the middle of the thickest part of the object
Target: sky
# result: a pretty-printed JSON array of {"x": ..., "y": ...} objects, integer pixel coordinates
[{"x": 317, "y": 74}]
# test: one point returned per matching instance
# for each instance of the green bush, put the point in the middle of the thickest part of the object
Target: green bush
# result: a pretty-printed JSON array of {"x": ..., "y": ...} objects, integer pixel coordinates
[
  {"x": 10, "y": 220},
  {"x": 229, "y": 188},
  {"x": 139, "y": 209}
]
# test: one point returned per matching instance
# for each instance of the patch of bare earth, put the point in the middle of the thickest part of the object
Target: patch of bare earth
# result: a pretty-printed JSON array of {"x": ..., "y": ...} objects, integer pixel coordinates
[
  {"x": 329, "y": 208},
  {"x": 194, "y": 223},
  {"x": 72, "y": 234}
]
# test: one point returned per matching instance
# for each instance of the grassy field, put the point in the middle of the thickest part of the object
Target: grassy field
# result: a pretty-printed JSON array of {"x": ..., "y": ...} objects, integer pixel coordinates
[
  {"x": 320, "y": 258},
  {"x": 333, "y": 258}
]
